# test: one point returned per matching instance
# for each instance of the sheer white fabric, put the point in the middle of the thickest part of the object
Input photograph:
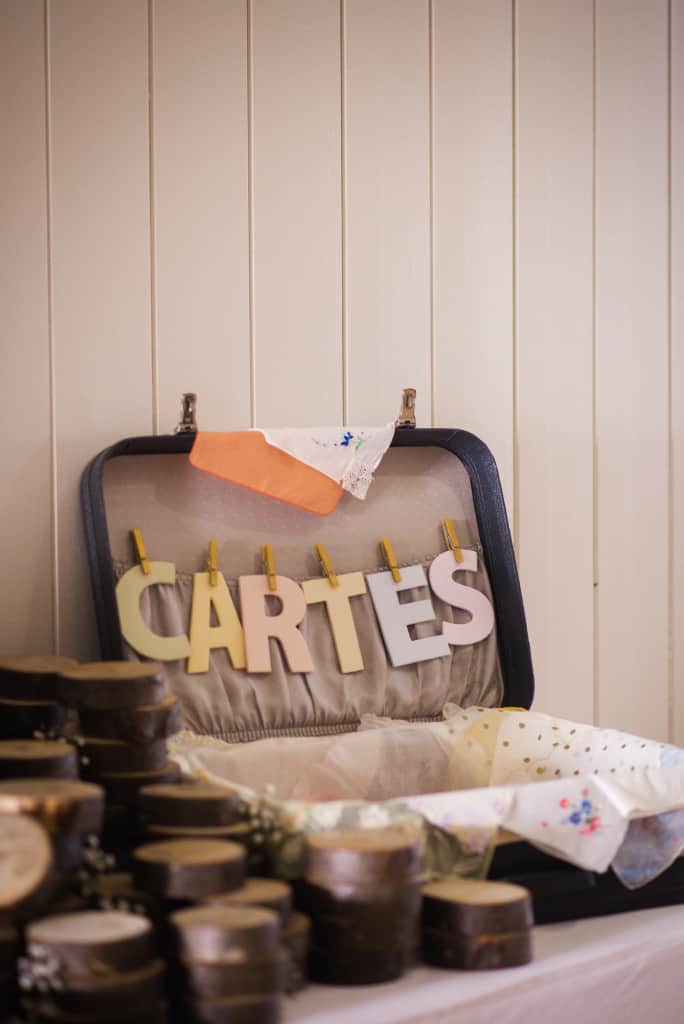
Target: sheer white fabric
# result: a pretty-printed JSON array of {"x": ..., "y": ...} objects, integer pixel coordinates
[{"x": 376, "y": 763}]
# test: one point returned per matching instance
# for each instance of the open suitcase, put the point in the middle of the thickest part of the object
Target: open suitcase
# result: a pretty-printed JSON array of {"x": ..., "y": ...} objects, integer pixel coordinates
[{"x": 427, "y": 476}]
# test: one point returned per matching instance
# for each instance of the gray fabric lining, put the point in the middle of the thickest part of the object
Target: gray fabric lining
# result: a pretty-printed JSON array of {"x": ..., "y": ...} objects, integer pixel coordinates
[{"x": 179, "y": 508}]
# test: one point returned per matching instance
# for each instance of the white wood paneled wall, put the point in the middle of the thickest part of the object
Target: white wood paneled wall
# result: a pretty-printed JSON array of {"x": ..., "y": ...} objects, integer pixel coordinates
[{"x": 296, "y": 208}]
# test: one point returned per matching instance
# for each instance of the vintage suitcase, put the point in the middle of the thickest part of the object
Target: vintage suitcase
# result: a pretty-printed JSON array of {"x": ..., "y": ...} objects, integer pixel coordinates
[{"x": 427, "y": 476}]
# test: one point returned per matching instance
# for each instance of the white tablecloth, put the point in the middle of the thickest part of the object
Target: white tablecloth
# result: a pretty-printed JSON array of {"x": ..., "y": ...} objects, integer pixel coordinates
[{"x": 623, "y": 969}]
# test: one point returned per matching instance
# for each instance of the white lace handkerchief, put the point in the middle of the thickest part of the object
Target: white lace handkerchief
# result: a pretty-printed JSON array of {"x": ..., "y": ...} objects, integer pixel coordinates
[{"x": 349, "y": 455}]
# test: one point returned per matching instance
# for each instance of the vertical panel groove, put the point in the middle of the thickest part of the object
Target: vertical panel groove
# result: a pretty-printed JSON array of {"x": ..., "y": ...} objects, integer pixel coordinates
[
  {"x": 296, "y": 199},
  {"x": 250, "y": 206},
  {"x": 54, "y": 533},
  {"x": 388, "y": 222},
  {"x": 431, "y": 199},
  {"x": 472, "y": 222},
  {"x": 594, "y": 387},
  {"x": 101, "y": 261},
  {"x": 199, "y": 162},
  {"x": 514, "y": 243},
  {"x": 343, "y": 212},
  {"x": 632, "y": 410},
  {"x": 554, "y": 137},
  {"x": 154, "y": 348}
]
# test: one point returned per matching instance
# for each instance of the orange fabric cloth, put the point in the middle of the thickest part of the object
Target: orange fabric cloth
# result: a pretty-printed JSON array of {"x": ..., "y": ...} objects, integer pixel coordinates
[{"x": 245, "y": 457}]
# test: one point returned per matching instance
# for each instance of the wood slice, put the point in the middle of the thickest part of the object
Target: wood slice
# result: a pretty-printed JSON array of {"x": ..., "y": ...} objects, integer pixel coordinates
[
  {"x": 117, "y": 891},
  {"x": 32, "y": 678},
  {"x": 112, "y": 995},
  {"x": 123, "y": 787},
  {"x": 296, "y": 939},
  {"x": 21, "y": 719},
  {"x": 477, "y": 952},
  {"x": 209, "y": 934},
  {"x": 221, "y": 979},
  {"x": 106, "y": 755},
  {"x": 20, "y": 759},
  {"x": 470, "y": 907},
  {"x": 26, "y": 865},
  {"x": 240, "y": 833},
  {"x": 137, "y": 724},
  {"x": 62, "y": 806},
  {"x": 113, "y": 684},
  {"x": 358, "y": 968},
  {"x": 189, "y": 868},
  {"x": 90, "y": 945},
  {"x": 190, "y": 805},
  {"x": 258, "y": 892},
  {"x": 236, "y": 1010},
  {"x": 363, "y": 857},
  {"x": 356, "y": 926}
]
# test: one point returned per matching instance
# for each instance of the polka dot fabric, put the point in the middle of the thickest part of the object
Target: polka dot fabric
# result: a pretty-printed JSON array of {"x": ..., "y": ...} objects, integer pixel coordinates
[
  {"x": 507, "y": 747},
  {"x": 533, "y": 747}
]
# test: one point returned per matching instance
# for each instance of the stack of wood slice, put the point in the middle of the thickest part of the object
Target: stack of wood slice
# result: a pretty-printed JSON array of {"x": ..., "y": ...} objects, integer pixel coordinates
[
  {"x": 473, "y": 925},
  {"x": 71, "y": 811},
  {"x": 196, "y": 810},
  {"x": 199, "y": 810},
  {"x": 93, "y": 966},
  {"x": 125, "y": 715},
  {"x": 229, "y": 964},
  {"x": 295, "y": 928},
  {"x": 362, "y": 894},
  {"x": 28, "y": 697}
]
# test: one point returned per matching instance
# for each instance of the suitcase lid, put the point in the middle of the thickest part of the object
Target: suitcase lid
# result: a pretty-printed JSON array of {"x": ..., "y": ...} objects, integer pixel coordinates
[{"x": 427, "y": 475}]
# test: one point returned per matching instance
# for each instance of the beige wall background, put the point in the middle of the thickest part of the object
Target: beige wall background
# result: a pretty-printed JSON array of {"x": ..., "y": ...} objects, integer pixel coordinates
[{"x": 298, "y": 207}]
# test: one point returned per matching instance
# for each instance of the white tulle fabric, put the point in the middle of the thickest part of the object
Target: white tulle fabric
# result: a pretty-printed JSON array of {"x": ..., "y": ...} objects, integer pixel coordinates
[{"x": 375, "y": 763}]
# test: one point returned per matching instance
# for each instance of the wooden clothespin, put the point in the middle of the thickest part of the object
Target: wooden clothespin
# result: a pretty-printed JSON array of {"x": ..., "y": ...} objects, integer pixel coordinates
[
  {"x": 326, "y": 565},
  {"x": 268, "y": 563},
  {"x": 390, "y": 559},
  {"x": 140, "y": 551},
  {"x": 212, "y": 562},
  {"x": 451, "y": 538}
]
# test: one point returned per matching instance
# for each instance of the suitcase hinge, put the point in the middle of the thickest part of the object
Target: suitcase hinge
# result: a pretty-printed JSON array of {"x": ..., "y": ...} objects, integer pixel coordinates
[
  {"x": 407, "y": 415},
  {"x": 187, "y": 424}
]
